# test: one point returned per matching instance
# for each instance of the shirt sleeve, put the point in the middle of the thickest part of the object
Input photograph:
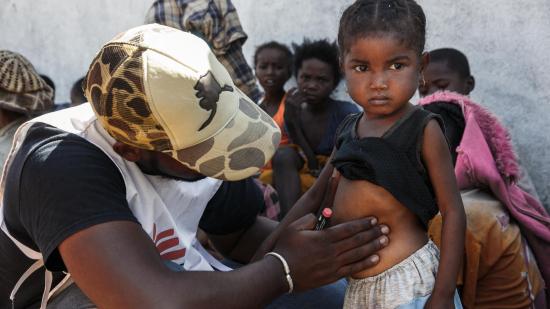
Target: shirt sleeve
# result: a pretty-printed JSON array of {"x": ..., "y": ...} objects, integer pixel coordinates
[
  {"x": 234, "y": 207},
  {"x": 67, "y": 186}
]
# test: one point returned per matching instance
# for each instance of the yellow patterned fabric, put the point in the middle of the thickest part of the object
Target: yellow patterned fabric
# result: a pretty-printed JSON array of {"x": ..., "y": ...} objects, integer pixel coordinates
[
  {"x": 306, "y": 179},
  {"x": 498, "y": 269}
]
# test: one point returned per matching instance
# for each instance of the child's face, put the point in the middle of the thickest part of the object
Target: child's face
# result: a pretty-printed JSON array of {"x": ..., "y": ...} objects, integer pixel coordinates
[
  {"x": 272, "y": 69},
  {"x": 439, "y": 76},
  {"x": 316, "y": 80},
  {"x": 381, "y": 74}
]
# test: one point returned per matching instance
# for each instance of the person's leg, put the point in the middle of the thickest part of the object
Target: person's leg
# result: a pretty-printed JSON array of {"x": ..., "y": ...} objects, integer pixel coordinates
[
  {"x": 71, "y": 298},
  {"x": 326, "y": 297},
  {"x": 286, "y": 178}
]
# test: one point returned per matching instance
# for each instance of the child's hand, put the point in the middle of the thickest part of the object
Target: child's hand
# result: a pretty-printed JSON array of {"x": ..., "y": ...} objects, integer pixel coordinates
[
  {"x": 293, "y": 105},
  {"x": 439, "y": 302}
]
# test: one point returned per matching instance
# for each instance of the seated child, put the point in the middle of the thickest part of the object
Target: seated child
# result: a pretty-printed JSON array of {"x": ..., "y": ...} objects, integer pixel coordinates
[
  {"x": 311, "y": 118},
  {"x": 273, "y": 67},
  {"x": 449, "y": 70},
  {"x": 395, "y": 161}
]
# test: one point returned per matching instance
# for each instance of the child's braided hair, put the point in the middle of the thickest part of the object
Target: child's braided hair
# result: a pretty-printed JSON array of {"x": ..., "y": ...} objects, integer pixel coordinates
[{"x": 403, "y": 19}]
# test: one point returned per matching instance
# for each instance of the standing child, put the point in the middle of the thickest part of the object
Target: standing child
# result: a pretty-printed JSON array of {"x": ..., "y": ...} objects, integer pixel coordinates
[{"x": 395, "y": 161}]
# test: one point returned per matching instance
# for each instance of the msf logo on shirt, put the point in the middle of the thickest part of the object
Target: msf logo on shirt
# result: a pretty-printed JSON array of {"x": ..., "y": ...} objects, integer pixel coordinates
[{"x": 168, "y": 244}]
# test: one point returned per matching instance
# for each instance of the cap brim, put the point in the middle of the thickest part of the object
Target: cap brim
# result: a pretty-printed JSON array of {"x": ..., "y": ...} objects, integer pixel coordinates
[
  {"x": 31, "y": 104},
  {"x": 240, "y": 149}
]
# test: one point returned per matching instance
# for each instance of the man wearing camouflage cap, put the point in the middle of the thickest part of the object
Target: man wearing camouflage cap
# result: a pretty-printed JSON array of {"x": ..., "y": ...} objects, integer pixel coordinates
[{"x": 109, "y": 193}]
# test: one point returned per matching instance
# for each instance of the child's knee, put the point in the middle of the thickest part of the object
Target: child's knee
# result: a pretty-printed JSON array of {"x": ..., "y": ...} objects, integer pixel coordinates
[{"x": 286, "y": 157}]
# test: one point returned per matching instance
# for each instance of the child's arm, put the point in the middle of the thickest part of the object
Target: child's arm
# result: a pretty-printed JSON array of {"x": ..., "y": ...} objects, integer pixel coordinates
[
  {"x": 293, "y": 101},
  {"x": 437, "y": 159}
]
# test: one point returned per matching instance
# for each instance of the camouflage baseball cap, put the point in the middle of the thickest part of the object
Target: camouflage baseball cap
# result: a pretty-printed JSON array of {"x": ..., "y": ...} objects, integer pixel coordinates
[
  {"x": 162, "y": 89},
  {"x": 22, "y": 90}
]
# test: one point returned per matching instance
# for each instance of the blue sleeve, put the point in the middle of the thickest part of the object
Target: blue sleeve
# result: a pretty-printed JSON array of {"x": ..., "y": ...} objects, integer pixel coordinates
[
  {"x": 340, "y": 110},
  {"x": 345, "y": 109}
]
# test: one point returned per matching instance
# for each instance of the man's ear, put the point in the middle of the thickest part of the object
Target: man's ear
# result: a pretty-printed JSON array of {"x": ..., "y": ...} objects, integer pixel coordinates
[
  {"x": 424, "y": 61},
  {"x": 128, "y": 152},
  {"x": 470, "y": 84}
]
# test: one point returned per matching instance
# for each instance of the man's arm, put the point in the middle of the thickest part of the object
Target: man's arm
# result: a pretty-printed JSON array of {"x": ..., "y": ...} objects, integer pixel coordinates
[
  {"x": 231, "y": 219},
  {"x": 117, "y": 266},
  {"x": 320, "y": 195},
  {"x": 241, "y": 246}
]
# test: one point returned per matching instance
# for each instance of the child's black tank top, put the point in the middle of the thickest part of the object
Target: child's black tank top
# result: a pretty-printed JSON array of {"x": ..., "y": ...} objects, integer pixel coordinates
[{"x": 393, "y": 161}]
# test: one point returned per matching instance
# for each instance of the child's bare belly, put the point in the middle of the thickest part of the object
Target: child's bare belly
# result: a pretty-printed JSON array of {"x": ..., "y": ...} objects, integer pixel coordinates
[{"x": 358, "y": 199}]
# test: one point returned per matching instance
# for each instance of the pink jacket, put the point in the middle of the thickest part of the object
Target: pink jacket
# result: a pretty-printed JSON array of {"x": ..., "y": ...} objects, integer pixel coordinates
[{"x": 486, "y": 159}]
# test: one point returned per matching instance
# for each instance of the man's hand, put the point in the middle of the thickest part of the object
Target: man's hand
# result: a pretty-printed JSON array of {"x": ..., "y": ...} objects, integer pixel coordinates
[
  {"x": 318, "y": 258},
  {"x": 322, "y": 195}
]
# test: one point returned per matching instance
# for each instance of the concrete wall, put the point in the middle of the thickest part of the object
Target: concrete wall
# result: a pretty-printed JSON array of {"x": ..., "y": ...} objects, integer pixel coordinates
[
  {"x": 61, "y": 37},
  {"x": 506, "y": 41}
]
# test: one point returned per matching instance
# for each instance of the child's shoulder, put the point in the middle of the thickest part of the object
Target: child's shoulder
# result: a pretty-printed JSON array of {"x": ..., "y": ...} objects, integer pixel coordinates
[
  {"x": 419, "y": 118},
  {"x": 425, "y": 116},
  {"x": 408, "y": 132},
  {"x": 346, "y": 128}
]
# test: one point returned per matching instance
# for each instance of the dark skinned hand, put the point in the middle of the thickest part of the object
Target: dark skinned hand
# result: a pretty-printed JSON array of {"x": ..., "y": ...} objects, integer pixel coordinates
[
  {"x": 317, "y": 258},
  {"x": 293, "y": 105}
]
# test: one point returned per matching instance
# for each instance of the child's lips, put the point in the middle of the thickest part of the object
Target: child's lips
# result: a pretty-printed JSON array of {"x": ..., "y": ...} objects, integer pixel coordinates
[
  {"x": 379, "y": 100},
  {"x": 310, "y": 97}
]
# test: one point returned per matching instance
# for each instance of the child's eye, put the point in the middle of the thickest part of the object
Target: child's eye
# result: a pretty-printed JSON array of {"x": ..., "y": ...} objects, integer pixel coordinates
[
  {"x": 360, "y": 68},
  {"x": 397, "y": 66}
]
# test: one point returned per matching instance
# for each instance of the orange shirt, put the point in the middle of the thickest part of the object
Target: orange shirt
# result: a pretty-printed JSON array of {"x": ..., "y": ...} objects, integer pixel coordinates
[{"x": 279, "y": 118}]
